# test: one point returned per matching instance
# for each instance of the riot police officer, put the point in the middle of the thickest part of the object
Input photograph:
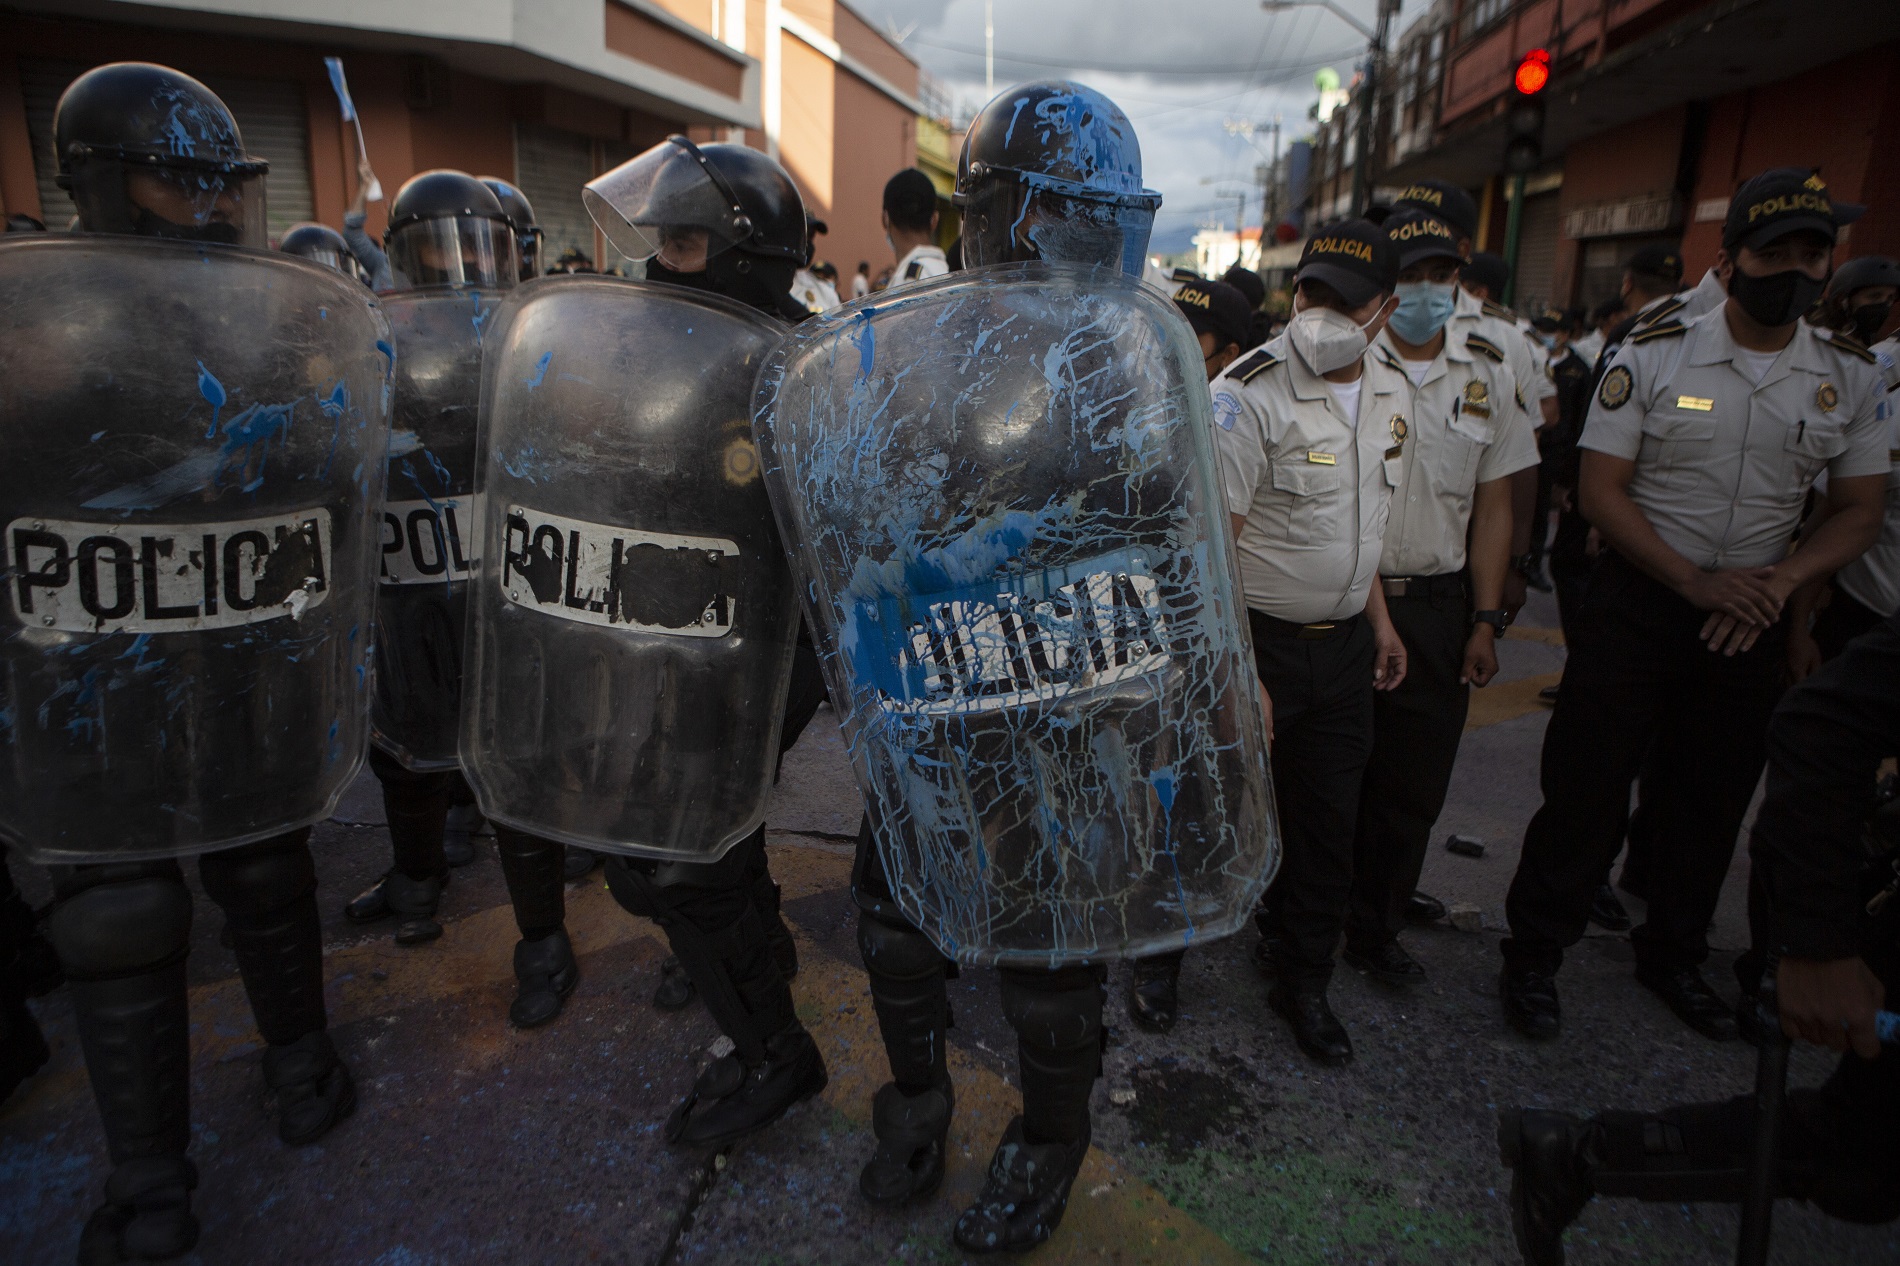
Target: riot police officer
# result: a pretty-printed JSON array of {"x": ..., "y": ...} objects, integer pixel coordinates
[
  {"x": 323, "y": 244},
  {"x": 705, "y": 638},
  {"x": 520, "y": 213},
  {"x": 1699, "y": 451},
  {"x": 1837, "y": 937},
  {"x": 191, "y": 640},
  {"x": 453, "y": 250},
  {"x": 1026, "y": 621}
]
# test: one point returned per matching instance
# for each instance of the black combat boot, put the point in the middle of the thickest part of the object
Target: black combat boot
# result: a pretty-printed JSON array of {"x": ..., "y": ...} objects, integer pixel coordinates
[
  {"x": 1154, "y": 991},
  {"x": 1024, "y": 1195},
  {"x": 735, "y": 1097},
  {"x": 412, "y": 901},
  {"x": 147, "y": 1214},
  {"x": 911, "y": 1114},
  {"x": 675, "y": 991},
  {"x": 545, "y": 973},
  {"x": 312, "y": 1085}
]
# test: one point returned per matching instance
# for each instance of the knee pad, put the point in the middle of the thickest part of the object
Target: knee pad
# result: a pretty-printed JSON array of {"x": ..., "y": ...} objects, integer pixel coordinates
[
  {"x": 897, "y": 951},
  {"x": 127, "y": 924},
  {"x": 1055, "y": 1010},
  {"x": 257, "y": 880}
]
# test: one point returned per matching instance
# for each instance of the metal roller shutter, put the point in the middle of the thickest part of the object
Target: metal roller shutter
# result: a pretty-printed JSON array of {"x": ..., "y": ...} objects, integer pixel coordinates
[
  {"x": 550, "y": 167},
  {"x": 1537, "y": 254},
  {"x": 269, "y": 113}
]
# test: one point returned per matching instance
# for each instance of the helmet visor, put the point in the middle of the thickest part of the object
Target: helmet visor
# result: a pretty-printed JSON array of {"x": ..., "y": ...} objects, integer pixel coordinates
[
  {"x": 1008, "y": 221},
  {"x": 185, "y": 203},
  {"x": 666, "y": 203},
  {"x": 454, "y": 250}
]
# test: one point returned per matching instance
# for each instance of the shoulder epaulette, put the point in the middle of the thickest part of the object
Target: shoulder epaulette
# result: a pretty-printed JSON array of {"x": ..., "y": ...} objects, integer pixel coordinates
[
  {"x": 1484, "y": 346},
  {"x": 1668, "y": 329},
  {"x": 1852, "y": 346},
  {"x": 1500, "y": 311},
  {"x": 1253, "y": 366},
  {"x": 1663, "y": 313}
]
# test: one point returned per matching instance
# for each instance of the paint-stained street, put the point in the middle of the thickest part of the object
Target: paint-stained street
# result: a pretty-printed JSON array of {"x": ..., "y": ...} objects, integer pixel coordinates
[{"x": 1220, "y": 1143}]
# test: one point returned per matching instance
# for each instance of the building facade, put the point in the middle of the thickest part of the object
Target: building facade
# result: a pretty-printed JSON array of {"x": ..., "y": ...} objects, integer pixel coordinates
[
  {"x": 546, "y": 94},
  {"x": 1656, "y": 111}
]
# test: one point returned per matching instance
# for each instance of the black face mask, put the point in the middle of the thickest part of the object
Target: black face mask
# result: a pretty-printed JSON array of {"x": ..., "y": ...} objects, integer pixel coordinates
[
  {"x": 765, "y": 284},
  {"x": 656, "y": 271},
  {"x": 1777, "y": 299},
  {"x": 148, "y": 223},
  {"x": 1868, "y": 318}
]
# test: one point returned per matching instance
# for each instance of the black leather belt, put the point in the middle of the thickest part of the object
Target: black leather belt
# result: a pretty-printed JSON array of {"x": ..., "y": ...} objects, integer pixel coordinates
[{"x": 1448, "y": 585}]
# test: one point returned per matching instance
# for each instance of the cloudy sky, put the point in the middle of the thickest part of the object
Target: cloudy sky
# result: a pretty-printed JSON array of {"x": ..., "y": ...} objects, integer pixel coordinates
[{"x": 1182, "y": 69}]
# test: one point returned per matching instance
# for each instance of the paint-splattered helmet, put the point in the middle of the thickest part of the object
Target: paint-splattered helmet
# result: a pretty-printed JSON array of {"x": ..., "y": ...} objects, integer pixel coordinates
[
  {"x": 149, "y": 150},
  {"x": 1053, "y": 171}
]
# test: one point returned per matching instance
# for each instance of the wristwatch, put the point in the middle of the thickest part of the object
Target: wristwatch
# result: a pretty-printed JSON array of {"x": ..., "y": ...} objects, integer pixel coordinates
[{"x": 1498, "y": 620}]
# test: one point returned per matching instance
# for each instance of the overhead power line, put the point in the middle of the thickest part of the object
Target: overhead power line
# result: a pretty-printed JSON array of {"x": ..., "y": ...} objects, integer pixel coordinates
[{"x": 1126, "y": 68}]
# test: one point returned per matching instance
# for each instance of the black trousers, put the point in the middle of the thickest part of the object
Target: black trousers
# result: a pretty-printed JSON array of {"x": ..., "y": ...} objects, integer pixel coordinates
[
  {"x": 1322, "y": 736},
  {"x": 416, "y": 804},
  {"x": 1841, "y": 621},
  {"x": 1638, "y": 675},
  {"x": 1570, "y": 566},
  {"x": 1415, "y": 734}
]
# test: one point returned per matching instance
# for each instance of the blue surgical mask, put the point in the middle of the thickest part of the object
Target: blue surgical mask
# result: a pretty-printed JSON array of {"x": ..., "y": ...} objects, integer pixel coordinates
[{"x": 1424, "y": 307}]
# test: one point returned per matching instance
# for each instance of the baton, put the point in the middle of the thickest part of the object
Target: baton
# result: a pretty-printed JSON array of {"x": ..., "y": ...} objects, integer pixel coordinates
[{"x": 1771, "y": 1089}]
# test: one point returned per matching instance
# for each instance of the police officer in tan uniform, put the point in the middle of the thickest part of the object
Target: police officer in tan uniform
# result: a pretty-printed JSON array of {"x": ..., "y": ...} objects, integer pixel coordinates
[
  {"x": 1702, "y": 443},
  {"x": 1467, "y": 439},
  {"x": 1311, "y": 432}
]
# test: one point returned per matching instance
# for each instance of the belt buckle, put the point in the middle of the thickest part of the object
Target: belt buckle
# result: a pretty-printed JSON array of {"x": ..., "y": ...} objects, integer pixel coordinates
[
  {"x": 1314, "y": 632},
  {"x": 1395, "y": 586}
]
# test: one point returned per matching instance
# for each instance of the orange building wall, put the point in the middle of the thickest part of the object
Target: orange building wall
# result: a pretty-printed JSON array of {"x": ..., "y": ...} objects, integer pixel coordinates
[
  {"x": 1624, "y": 162},
  {"x": 1776, "y": 126},
  {"x": 880, "y": 141}
]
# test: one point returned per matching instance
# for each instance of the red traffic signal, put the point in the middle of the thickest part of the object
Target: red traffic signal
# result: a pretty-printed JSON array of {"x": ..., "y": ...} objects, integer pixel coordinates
[{"x": 1533, "y": 72}]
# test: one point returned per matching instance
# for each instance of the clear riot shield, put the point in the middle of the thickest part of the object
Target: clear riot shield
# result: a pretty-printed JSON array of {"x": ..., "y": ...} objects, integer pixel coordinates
[
  {"x": 198, "y": 437},
  {"x": 632, "y": 619},
  {"x": 431, "y": 523},
  {"x": 1002, "y": 493}
]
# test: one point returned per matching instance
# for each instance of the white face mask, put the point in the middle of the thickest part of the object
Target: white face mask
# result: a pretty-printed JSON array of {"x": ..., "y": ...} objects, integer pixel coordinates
[{"x": 1327, "y": 340}]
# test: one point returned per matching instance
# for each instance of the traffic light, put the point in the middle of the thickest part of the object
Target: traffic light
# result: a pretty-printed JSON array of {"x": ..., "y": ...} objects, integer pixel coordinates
[{"x": 1524, "y": 120}]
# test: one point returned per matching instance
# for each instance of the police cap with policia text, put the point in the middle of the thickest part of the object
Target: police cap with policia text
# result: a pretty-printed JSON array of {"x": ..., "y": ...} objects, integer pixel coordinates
[
  {"x": 1354, "y": 258},
  {"x": 1780, "y": 201}
]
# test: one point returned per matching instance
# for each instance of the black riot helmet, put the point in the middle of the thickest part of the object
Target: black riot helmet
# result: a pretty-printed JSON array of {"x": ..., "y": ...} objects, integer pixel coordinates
[
  {"x": 1052, "y": 171},
  {"x": 149, "y": 150},
  {"x": 323, "y": 244},
  {"x": 447, "y": 228},
  {"x": 717, "y": 217},
  {"x": 520, "y": 213}
]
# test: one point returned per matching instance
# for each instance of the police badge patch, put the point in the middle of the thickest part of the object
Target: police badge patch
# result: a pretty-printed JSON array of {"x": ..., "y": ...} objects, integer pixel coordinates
[
  {"x": 1399, "y": 429},
  {"x": 1226, "y": 411},
  {"x": 1616, "y": 388},
  {"x": 1827, "y": 397}
]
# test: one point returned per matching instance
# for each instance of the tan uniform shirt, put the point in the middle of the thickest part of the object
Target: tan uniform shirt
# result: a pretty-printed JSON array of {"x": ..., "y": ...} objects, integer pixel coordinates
[
  {"x": 1723, "y": 464},
  {"x": 1315, "y": 486},
  {"x": 1466, "y": 429},
  {"x": 1873, "y": 579},
  {"x": 1472, "y": 315}
]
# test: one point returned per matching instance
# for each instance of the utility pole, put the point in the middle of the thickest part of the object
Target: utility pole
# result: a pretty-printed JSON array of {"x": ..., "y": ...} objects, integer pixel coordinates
[{"x": 1369, "y": 88}]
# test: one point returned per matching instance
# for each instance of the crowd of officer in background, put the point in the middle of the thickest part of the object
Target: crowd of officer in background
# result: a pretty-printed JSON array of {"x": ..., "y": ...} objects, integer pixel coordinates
[{"x": 1394, "y": 445}]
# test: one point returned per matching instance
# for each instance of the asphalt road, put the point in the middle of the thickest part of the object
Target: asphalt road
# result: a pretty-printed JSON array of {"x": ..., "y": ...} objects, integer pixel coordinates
[{"x": 1220, "y": 1143}]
